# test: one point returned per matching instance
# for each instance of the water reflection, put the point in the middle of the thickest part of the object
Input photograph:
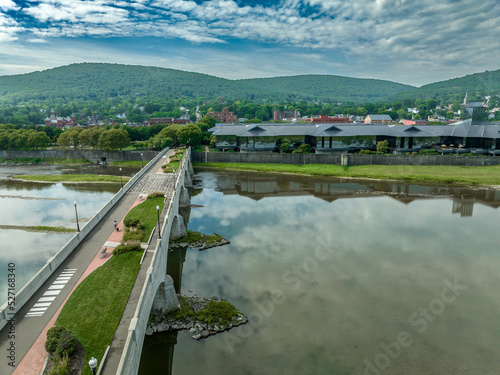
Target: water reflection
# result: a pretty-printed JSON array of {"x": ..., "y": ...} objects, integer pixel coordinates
[
  {"x": 257, "y": 186},
  {"x": 33, "y": 204},
  {"x": 352, "y": 264}
]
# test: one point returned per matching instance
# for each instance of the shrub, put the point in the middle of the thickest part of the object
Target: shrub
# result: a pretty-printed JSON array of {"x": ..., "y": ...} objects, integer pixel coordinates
[
  {"x": 174, "y": 158},
  {"x": 382, "y": 146},
  {"x": 135, "y": 235},
  {"x": 66, "y": 345},
  {"x": 61, "y": 366},
  {"x": 365, "y": 152},
  {"x": 129, "y": 222},
  {"x": 60, "y": 342},
  {"x": 53, "y": 336},
  {"x": 303, "y": 149},
  {"x": 167, "y": 169},
  {"x": 155, "y": 194},
  {"x": 429, "y": 151},
  {"x": 125, "y": 248},
  {"x": 218, "y": 312}
]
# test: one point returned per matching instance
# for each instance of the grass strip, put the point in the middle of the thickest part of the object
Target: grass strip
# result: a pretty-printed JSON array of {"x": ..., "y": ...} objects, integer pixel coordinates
[
  {"x": 58, "y": 161},
  {"x": 95, "y": 308},
  {"x": 129, "y": 163},
  {"x": 72, "y": 178},
  {"x": 489, "y": 175},
  {"x": 39, "y": 228},
  {"x": 146, "y": 214}
]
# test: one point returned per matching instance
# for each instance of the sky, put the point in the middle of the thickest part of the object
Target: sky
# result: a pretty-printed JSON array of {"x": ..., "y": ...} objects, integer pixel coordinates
[{"x": 414, "y": 42}]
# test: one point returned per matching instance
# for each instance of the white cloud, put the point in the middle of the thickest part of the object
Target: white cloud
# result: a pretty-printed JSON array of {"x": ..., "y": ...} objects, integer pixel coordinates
[
  {"x": 377, "y": 38},
  {"x": 7, "y": 5}
]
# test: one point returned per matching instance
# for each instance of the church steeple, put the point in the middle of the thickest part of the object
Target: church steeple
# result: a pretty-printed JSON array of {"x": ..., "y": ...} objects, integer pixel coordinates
[{"x": 466, "y": 99}]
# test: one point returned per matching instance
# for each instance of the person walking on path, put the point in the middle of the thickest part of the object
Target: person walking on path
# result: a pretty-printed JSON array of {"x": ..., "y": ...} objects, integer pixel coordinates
[{"x": 116, "y": 225}]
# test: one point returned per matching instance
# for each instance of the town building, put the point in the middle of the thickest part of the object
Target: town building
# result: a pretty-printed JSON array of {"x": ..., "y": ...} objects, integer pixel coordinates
[
  {"x": 286, "y": 115},
  {"x": 378, "y": 119},
  {"x": 467, "y": 135},
  {"x": 60, "y": 122},
  {"x": 328, "y": 119},
  {"x": 225, "y": 116},
  {"x": 166, "y": 121}
]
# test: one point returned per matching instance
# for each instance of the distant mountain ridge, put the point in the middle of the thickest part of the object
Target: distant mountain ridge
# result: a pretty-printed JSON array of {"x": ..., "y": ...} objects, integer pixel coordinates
[{"x": 94, "y": 81}]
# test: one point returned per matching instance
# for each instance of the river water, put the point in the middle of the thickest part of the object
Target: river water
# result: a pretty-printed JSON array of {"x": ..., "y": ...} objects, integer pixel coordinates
[
  {"x": 33, "y": 204},
  {"x": 340, "y": 277}
]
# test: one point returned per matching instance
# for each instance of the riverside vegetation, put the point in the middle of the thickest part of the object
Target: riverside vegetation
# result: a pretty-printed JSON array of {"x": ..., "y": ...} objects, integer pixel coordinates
[
  {"x": 202, "y": 316},
  {"x": 489, "y": 175}
]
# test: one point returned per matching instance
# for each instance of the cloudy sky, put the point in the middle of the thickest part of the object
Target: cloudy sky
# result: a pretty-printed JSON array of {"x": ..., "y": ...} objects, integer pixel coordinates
[{"x": 408, "y": 41}]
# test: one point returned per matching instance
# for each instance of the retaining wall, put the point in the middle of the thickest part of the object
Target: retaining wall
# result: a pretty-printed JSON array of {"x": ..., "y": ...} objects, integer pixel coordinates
[
  {"x": 92, "y": 155},
  {"x": 53, "y": 263},
  {"x": 336, "y": 159}
]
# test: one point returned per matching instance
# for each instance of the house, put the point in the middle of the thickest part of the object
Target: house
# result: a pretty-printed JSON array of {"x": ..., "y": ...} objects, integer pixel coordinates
[
  {"x": 378, "y": 119},
  {"x": 285, "y": 115},
  {"x": 60, "y": 122},
  {"x": 328, "y": 119},
  {"x": 225, "y": 116}
]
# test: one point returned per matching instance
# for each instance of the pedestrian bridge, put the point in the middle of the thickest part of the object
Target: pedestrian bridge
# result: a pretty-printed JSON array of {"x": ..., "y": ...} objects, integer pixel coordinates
[{"x": 157, "y": 289}]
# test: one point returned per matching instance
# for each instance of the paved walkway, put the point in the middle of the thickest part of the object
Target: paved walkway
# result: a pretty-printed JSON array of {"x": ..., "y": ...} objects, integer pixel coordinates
[{"x": 32, "y": 324}]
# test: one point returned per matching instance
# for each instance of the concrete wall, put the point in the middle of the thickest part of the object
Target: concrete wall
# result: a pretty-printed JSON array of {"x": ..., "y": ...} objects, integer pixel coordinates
[
  {"x": 53, "y": 263},
  {"x": 131, "y": 356},
  {"x": 92, "y": 155},
  {"x": 335, "y": 158}
]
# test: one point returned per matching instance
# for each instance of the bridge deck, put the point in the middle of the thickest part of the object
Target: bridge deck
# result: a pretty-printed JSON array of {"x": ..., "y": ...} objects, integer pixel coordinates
[{"x": 28, "y": 329}]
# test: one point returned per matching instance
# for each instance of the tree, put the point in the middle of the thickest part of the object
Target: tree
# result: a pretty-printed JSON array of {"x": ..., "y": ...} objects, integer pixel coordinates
[
  {"x": 113, "y": 139},
  {"x": 38, "y": 140},
  {"x": 382, "y": 146},
  {"x": 190, "y": 135}
]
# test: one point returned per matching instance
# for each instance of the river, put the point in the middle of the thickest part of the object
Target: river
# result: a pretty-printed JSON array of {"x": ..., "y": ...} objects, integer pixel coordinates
[
  {"x": 33, "y": 204},
  {"x": 340, "y": 277}
]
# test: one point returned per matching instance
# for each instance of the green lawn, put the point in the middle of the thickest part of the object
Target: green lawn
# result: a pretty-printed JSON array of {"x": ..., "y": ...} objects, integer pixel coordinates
[
  {"x": 129, "y": 163},
  {"x": 72, "y": 178},
  {"x": 146, "y": 213},
  {"x": 444, "y": 174},
  {"x": 95, "y": 308},
  {"x": 59, "y": 161},
  {"x": 39, "y": 228}
]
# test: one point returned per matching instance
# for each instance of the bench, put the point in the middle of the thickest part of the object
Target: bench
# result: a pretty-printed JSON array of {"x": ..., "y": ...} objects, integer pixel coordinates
[{"x": 103, "y": 252}]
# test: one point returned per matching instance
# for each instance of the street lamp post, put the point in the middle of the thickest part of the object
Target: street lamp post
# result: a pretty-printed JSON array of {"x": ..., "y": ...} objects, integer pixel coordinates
[
  {"x": 121, "y": 178},
  {"x": 158, "y": 212},
  {"x": 93, "y": 364},
  {"x": 142, "y": 162},
  {"x": 76, "y": 214}
]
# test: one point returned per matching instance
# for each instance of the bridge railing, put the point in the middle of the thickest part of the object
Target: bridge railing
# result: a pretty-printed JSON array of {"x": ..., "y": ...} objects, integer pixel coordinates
[
  {"x": 129, "y": 362},
  {"x": 54, "y": 262}
]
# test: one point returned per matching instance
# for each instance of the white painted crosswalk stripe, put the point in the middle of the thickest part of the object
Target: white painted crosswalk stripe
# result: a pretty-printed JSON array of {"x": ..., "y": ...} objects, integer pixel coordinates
[{"x": 49, "y": 296}]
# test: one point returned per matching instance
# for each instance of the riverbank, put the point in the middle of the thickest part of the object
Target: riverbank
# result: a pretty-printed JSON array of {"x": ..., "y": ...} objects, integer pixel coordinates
[
  {"x": 489, "y": 175},
  {"x": 72, "y": 178},
  {"x": 48, "y": 161}
]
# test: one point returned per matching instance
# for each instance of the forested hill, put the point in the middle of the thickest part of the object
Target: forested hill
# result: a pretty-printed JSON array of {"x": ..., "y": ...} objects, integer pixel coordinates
[
  {"x": 94, "y": 81},
  {"x": 477, "y": 85},
  {"x": 328, "y": 87}
]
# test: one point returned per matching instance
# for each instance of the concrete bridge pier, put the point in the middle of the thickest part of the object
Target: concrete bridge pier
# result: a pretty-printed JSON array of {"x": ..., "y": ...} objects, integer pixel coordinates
[
  {"x": 184, "y": 198},
  {"x": 166, "y": 298},
  {"x": 188, "y": 181},
  {"x": 178, "y": 227}
]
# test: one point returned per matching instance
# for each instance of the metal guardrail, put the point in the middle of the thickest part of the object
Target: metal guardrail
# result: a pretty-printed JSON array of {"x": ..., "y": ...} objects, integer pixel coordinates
[
  {"x": 129, "y": 362},
  {"x": 54, "y": 262}
]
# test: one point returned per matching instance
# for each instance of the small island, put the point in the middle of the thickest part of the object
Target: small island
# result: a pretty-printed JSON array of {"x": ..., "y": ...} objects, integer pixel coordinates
[
  {"x": 199, "y": 240},
  {"x": 202, "y": 316}
]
